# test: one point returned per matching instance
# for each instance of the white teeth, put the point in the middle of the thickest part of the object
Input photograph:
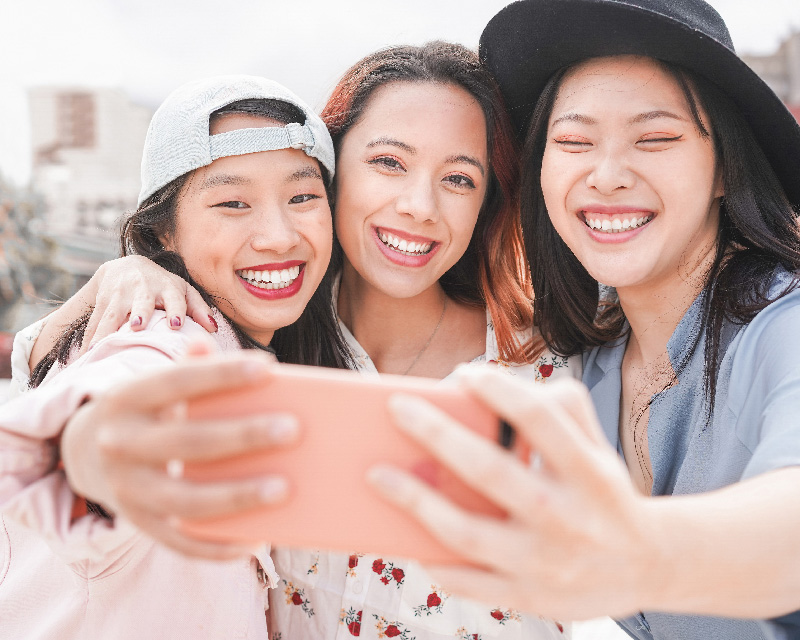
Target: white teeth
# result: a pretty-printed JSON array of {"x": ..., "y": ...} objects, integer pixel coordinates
[
  {"x": 403, "y": 246},
  {"x": 617, "y": 225},
  {"x": 270, "y": 279}
]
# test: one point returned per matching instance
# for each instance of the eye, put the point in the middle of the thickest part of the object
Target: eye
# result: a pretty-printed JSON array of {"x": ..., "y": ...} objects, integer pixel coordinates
[
  {"x": 232, "y": 204},
  {"x": 304, "y": 197},
  {"x": 572, "y": 143},
  {"x": 460, "y": 180},
  {"x": 658, "y": 138},
  {"x": 387, "y": 162}
]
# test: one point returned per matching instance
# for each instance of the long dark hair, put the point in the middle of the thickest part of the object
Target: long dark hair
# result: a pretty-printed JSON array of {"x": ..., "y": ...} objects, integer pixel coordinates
[
  {"x": 491, "y": 272},
  {"x": 758, "y": 233},
  {"x": 314, "y": 339}
]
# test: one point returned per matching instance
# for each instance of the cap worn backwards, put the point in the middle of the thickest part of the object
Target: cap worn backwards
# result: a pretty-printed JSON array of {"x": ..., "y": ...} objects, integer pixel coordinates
[{"x": 179, "y": 140}]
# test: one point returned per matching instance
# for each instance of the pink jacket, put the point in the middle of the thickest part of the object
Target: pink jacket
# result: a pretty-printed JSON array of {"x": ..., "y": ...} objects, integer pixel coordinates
[{"x": 87, "y": 578}]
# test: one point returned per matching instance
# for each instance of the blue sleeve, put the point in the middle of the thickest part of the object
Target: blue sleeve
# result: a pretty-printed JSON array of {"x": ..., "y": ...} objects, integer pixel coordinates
[{"x": 764, "y": 391}]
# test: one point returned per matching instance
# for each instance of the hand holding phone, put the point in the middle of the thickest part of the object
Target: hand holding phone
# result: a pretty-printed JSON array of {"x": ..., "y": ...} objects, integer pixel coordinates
[{"x": 345, "y": 430}]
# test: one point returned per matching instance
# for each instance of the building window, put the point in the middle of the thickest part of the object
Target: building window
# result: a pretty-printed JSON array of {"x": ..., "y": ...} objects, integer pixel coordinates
[{"x": 76, "y": 120}]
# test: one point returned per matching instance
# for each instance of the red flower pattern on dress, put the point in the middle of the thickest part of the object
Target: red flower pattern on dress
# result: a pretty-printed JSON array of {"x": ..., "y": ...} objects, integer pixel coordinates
[
  {"x": 392, "y": 629},
  {"x": 388, "y": 572},
  {"x": 352, "y": 620},
  {"x": 297, "y": 597},
  {"x": 463, "y": 634},
  {"x": 547, "y": 364},
  {"x": 433, "y": 603},
  {"x": 503, "y": 616},
  {"x": 352, "y": 563}
]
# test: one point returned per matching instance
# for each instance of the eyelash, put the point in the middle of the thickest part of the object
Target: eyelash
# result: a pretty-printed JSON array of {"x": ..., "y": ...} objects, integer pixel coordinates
[
  {"x": 229, "y": 204},
  {"x": 666, "y": 139},
  {"x": 393, "y": 164},
  {"x": 388, "y": 162},
  {"x": 305, "y": 197},
  {"x": 300, "y": 198},
  {"x": 581, "y": 143}
]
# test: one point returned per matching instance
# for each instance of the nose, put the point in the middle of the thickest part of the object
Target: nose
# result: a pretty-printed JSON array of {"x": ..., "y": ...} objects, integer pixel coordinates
[
  {"x": 276, "y": 231},
  {"x": 610, "y": 173},
  {"x": 418, "y": 200}
]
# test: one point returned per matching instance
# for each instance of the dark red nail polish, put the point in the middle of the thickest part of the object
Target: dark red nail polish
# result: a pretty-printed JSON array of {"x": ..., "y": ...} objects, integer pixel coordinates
[
  {"x": 175, "y": 322},
  {"x": 214, "y": 322},
  {"x": 135, "y": 322}
]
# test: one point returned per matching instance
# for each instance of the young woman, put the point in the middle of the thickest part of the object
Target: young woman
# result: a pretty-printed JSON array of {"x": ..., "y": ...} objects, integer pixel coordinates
[
  {"x": 431, "y": 277},
  {"x": 235, "y": 173},
  {"x": 658, "y": 164}
]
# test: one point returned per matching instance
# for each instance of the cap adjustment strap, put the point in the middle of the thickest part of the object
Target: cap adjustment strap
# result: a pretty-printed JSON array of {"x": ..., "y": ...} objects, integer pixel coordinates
[{"x": 242, "y": 141}]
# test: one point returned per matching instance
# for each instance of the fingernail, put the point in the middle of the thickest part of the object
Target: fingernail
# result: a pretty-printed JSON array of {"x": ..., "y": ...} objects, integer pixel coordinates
[
  {"x": 386, "y": 479},
  {"x": 175, "y": 322},
  {"x": 273, "y": 489},
  {"x": 255, "y": 367},
  {"x": 136, "y": 321},
  {"x": 91, "y": 346},
  {"x": 408, "y": 411},
  {"x": 175, "y": 469},
  {"x": 213, "y": 322},
  {"x": 283, "y": 427}
]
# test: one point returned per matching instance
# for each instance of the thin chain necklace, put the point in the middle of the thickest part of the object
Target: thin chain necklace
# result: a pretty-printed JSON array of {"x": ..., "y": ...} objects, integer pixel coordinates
[{"x": 427, "y": 344}]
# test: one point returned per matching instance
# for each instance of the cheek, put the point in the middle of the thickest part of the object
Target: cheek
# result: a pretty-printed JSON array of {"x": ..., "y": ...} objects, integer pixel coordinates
[{"x": 555, "y": 189}]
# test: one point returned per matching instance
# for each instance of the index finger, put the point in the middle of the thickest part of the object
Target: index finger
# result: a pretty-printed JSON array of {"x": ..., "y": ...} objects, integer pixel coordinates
[{"x": 194, "y": 377}]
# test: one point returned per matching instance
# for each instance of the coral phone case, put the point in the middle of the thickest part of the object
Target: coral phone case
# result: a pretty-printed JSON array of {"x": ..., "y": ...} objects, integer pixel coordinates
[{"x": 346, "y": 429}]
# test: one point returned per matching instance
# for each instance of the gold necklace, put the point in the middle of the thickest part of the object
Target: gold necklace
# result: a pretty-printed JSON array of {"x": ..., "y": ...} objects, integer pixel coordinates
[{"x": 427, "y": 344}]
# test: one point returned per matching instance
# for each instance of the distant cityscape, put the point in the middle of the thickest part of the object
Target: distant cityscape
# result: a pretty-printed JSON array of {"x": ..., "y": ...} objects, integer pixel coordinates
[{"x": 86, "y": 148}]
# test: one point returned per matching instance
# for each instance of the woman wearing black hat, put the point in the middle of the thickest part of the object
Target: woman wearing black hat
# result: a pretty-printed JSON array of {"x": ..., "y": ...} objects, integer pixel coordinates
[{"x": 659, "y": 164}]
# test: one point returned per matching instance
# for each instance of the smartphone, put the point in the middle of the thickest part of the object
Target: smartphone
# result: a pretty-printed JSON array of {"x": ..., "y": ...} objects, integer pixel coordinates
[{"x": 345, "y": 430}]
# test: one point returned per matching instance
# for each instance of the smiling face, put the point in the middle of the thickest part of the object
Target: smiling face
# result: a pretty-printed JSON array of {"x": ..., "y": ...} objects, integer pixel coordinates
[
  {"x": 630, "y": 182},
  {"x": 411, "y": 179},
  {"x": 255, "y": 231}
]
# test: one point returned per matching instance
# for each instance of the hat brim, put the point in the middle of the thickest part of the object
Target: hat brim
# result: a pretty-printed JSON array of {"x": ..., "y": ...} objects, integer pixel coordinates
[{"x": 527, "y": 42}]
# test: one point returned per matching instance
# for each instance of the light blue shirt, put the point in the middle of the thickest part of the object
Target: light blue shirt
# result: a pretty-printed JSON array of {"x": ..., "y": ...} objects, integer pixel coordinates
[{"x": 754, "y": 427}]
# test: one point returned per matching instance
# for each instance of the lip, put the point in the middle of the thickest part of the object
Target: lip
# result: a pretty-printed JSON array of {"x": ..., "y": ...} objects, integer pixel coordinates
[
  {"x": 275, "y": 294},
  {"x": 610, "y": 212},
  {"x": 399, "y": 258},
  {"x": 273, "y": 266}
]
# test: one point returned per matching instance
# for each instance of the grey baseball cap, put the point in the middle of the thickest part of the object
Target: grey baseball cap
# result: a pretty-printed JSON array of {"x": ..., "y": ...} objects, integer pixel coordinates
[{"x": 178, "y": 140}]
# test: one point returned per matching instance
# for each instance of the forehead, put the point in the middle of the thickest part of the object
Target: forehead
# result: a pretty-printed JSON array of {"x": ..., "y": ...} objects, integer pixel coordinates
[
  {"x": 621, "y": 83},
  {"x": 425, "y": 105}
]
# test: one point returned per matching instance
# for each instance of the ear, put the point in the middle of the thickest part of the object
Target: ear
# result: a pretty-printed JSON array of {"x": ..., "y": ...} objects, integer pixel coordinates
[{"x": 166, "y": 241}]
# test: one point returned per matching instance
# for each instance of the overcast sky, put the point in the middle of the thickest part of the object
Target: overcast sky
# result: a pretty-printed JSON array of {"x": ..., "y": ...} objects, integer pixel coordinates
[{"x": 149, "y": 47}]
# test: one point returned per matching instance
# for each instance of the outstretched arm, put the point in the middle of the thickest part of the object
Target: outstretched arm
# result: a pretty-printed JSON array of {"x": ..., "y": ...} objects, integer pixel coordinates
[
  {"x": 124, "y": 290},
  {"x": 580, "y": 541}
]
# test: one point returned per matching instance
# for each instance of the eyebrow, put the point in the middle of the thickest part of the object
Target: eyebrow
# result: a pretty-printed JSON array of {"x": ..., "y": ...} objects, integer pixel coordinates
[
  {"x": 308, "y": 171},
  {"x": 222, "y": 179},
  {"x": 467, "y": 160},
  {"x": 638, "y": 119},
  {"x": 655, "y": 115},
  {"x": 392, "y": 143}
]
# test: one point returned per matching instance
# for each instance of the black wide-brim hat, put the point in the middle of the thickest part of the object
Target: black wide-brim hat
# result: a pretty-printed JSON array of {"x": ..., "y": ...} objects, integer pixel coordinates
[{"x": 529, "y": 40}]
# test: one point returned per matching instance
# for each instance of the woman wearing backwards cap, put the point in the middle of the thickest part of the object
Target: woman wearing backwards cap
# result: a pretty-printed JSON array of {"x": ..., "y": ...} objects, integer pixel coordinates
[
  {"x": 659, "y": 164},
  {"x": 234, "y": 180}
]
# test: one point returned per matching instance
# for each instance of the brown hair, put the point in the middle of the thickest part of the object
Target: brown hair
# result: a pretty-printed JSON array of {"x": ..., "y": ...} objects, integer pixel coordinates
[{"x": 492, "y": 271}]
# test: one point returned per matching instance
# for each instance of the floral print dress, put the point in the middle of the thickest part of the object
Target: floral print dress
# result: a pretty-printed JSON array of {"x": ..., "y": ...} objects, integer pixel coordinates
[{"x": 328, "y": 595}]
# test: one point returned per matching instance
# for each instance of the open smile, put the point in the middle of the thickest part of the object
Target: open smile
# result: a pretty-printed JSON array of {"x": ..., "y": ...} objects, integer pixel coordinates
[
  {"x": 403, "y": 248},
  {"x": 273, "y": 281}
]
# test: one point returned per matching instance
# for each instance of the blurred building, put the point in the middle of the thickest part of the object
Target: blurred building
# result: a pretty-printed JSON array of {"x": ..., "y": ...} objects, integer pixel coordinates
[
  {"x": 87, "y": 149},
  {"x": 781, "y": 71}
]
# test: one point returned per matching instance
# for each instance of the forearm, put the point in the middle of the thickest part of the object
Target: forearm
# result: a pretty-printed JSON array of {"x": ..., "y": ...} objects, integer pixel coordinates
[
  {"x": 732, "y": 552},
  {"x": 60, "y": 319}
]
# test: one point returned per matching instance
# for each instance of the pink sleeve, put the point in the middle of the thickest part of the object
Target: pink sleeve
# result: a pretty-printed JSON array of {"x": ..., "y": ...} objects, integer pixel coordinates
[{"x": 33, "y": 491}]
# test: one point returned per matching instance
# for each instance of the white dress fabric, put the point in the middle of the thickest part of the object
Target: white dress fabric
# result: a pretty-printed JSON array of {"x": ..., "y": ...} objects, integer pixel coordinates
[{"x": 327, "y": 595}]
